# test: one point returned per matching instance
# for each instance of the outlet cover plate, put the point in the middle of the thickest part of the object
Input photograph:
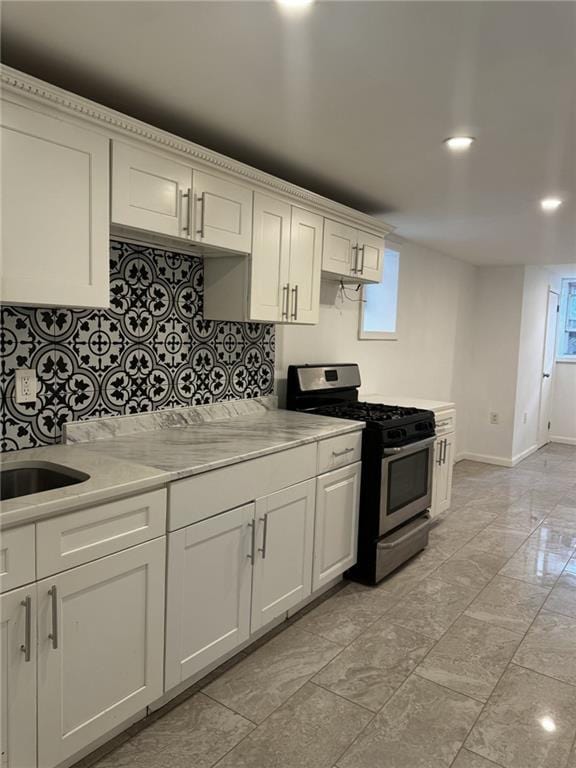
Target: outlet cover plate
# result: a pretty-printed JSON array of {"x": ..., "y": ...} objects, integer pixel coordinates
[{"x": 26, "y": 385}]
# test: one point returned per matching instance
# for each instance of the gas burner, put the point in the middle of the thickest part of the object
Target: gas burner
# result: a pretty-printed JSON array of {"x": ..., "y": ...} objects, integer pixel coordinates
[{"x": 368, "y": 412}]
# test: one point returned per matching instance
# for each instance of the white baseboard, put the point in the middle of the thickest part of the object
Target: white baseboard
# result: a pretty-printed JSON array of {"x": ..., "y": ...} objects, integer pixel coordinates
[
  {"x": 499, "y": 461},
  {"x": 563, "y": 440}
]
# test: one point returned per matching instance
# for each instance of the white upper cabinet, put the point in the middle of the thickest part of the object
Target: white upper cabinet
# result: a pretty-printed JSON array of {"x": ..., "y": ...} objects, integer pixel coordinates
[
  {"x": 150, "y": 191},
  {"x": 55, "y": 211},
  {"x": 352, "y": 253},
  {"x": 269, "y": 289},
  {"x": 223, "y": 213},
  {"x": 305, "y": 266}
]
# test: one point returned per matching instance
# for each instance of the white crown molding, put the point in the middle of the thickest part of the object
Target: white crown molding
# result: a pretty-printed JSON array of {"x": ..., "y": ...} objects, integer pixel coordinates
[{"x": 16, "y": 82}]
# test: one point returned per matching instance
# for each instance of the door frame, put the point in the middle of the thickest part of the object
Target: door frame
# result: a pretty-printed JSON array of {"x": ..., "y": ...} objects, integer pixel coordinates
[{"x": 541, "y": 438}]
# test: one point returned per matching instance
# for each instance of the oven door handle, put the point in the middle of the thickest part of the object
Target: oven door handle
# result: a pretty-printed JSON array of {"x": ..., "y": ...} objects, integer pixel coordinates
[{"x": 411, "y": 447}]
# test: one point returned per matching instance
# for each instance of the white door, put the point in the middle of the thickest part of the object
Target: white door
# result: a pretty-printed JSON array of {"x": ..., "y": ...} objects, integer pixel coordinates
[
  {"x": 223, "y": 213},
  {"x": 100, "y": 648},
  {"x": 150, "y": 191},
  {"x": 208, "y": 594},
  {"x": 18, "y": 678},
  {"x": 336, "y": 526},
  {"x": 54, "y": 212},
  {"x": 339, "y": 251},
  {"x": 548, "y": 359},
  {"x": 283, "y": 558},
  {"x": 305, "y": 265},
  {"x": 370, "y": 256},
  {"x": 269, "y": 297}
]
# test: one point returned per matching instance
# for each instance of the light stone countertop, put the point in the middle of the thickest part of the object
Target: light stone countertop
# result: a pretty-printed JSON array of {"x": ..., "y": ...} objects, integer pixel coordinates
[
  {"x": 133, "y": 463},
  {"x": 197, "y": 448},
  {"x": 110, "y": 478},
  {"x": 407, "y": 402}
]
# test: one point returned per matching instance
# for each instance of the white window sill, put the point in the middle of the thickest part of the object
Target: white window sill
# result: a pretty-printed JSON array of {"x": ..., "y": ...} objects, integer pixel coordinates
[
  {"x": 570, "y": 361},
  {"x": 377, "y": 336}
]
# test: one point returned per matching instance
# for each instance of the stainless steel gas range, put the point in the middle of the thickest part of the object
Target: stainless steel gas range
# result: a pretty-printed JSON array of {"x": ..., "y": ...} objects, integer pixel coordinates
[{"x": 397, "y": 456}]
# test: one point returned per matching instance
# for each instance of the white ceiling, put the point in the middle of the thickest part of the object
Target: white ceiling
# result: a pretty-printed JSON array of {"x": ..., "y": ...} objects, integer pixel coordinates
[{"x": 351, "y": 100}]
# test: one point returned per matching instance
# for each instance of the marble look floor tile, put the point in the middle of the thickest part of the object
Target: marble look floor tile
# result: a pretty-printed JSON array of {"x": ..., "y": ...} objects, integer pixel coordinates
[
  {"x": 432, "y": 606},
  {"x": 536, "y": 565},
  {"x": 470, "y": 657},
  {"x": 422, "y": 726},
  {"x": 311, "y": 730},
  {"x": 266, "y": 678},
  {"x": 521, "y": 520},
  {"x": 550, "y": 647},
  {"x": 551, "y": 535},
  {"x": 196, "y": 735},
  {"x": 470, "y": 567},
  {"x": 499, "y": 541},
  {"x": 371, "y": 668},
  {"x": 468, "y": 759},
  {"x": 508, "y": 603},
  {"x": 562, "y": 599},
  {"x": 562, "y": 517},
  {"x": 529, "y": 722}
]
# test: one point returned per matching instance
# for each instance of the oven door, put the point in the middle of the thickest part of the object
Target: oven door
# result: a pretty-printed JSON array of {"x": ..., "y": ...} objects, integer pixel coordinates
[{"x": 406, "y": 483}]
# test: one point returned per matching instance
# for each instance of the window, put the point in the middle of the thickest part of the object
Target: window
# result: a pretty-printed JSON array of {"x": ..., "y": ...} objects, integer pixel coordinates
[
  {"x": 567, "y": 321},
  {"x": 379, "y": 308}
]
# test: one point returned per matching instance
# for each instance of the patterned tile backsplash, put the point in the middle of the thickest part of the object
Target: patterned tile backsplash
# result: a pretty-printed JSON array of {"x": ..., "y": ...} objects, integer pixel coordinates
[{"x": 152, "y": 349}]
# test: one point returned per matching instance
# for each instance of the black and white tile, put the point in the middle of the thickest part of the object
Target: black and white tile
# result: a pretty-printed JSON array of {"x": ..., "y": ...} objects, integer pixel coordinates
[{"x": 151, "y": 349}]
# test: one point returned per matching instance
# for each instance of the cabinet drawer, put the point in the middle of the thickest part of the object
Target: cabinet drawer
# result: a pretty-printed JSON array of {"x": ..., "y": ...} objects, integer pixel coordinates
[
  {"x": 339, "y": 451},
  {"x": 17, "y": 557},
  {"x": 197, "y": 498},
  {"x": 445, "y": 422},
  {"x": 79, "y": 537}
]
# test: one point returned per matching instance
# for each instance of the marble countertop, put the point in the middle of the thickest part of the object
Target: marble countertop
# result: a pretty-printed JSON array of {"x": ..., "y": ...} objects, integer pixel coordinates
[
  {"x": 193, "y": 449},
  {"x": 109, "y": 478},
  {"x": 407, "y": 402},
  {"x": 133, "y": 463}
]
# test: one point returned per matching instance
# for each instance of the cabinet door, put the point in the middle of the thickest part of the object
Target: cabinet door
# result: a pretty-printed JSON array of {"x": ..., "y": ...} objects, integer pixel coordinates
[
  {"x": 150, "y": 191},
  {"x": 100, "y": 648},
  {"x": 54, "y": 211},
  {"x": 208, "y": 594},
  {"x": 437, "y": 477},
  {"x": 223, "y": 213},
  {"x": 305, "y": 265},
  {"x": 444, "y": 487},
  {"x": 370, "y": 256},
  {"x": 336, "y": 526},
  {"x": 283, "y": 557},
  {"x": 270, "y": 260},
  {"x": 339, "y": 254},
  {"x": 18, "y": 678}
]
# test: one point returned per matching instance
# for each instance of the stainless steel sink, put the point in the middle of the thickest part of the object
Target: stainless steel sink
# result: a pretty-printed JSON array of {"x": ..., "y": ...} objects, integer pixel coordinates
[{"x": 26, "y": 477}]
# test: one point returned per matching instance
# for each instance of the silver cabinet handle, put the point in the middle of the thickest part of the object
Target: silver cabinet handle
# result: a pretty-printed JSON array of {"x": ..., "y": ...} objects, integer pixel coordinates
[
  {"x": 53, "y": 592},
  {"x": 361, "y": 248},
  {"x": 295, "y": 305},
  {"x": 285, "y": 301},
  {"x": 264, "y": 536},
  {"x": 342, "y": 453},
  {"x": 202, "y": 204},
  {"x": 354, "y": 269},
  {"x": 445, "y": 451},
  {"x": 439, "y": 459},
  {"x": 25, "y": 647},
  {"x": 252, "y": 527},
  {"x": 188, "y": 227}
]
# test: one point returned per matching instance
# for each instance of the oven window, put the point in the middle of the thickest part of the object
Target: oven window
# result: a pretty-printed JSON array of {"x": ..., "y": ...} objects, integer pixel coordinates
[{"x": 407, "y": 480}]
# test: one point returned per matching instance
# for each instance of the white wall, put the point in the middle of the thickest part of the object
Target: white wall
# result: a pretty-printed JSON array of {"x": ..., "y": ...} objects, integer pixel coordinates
[
  {"x": 433, "y": 318},
  {"x": 491, "y": 377},
  {"x": 563, "y": 419}
]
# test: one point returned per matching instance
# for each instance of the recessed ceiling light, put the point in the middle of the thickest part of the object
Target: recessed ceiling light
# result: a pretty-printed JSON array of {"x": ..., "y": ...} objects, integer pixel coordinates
[
  {"x": 459, "y": 143},
  {"x": 550, "y": 203},
  {"x": 295, "y": 4}
]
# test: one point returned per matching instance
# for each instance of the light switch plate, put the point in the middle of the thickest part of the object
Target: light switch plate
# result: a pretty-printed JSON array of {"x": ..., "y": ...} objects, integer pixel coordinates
[{"x": 26, "y": 385}]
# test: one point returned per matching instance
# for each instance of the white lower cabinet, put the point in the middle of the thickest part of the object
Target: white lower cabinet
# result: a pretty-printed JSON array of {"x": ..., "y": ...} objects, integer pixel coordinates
[
  {"x": 283, "y": 556},
  {"x": 443, "y": 471},
  {"x": 208, "y": 591},
  {"x": 18, "y": 678},
  {"x": 100, "y": 648}
]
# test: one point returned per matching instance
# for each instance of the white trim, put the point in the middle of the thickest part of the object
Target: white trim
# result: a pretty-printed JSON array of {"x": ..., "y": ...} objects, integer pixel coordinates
[
  {"x": 570, "y": 360},
  {"x": 524, "y": 455},
  {"x": 17, "y": 85},
  {"x": 500, "y": 461},
  {"x": 376, "y": 335},
  {"x": 563, "y": 440}
]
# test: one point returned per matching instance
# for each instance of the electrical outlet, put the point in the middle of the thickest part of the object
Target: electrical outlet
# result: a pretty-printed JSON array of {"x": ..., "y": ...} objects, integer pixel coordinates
[
  {"x": 494, "y": 418},
  {"x": 26, "y": 385}
]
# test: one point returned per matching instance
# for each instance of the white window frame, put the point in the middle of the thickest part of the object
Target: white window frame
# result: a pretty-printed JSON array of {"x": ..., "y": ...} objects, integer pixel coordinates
[
  {"x": 379, "y": 335},
  {"x": 560, "y": 358}
]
